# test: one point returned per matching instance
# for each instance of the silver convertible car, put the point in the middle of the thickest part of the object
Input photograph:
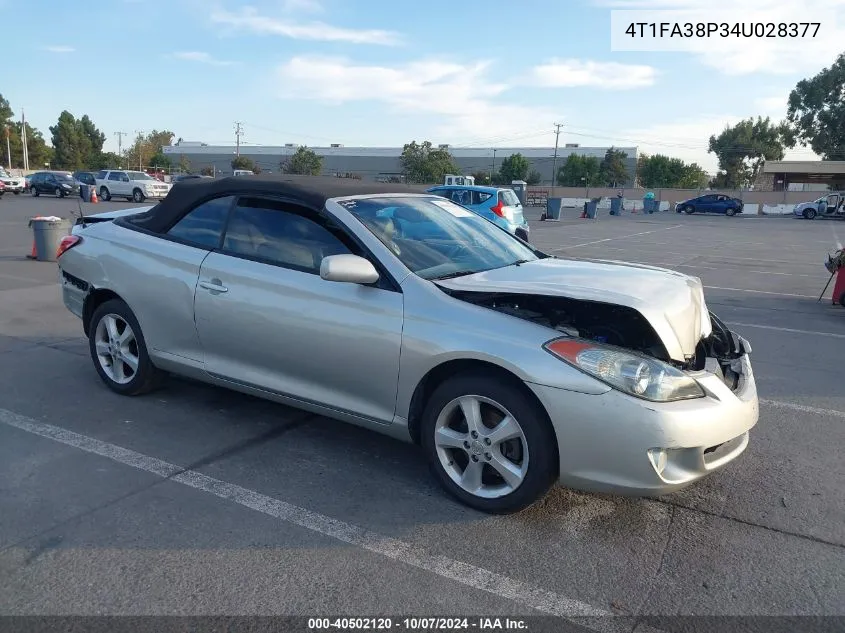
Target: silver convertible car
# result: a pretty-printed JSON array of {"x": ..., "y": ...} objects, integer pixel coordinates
[{"x": 408, "y": 314}]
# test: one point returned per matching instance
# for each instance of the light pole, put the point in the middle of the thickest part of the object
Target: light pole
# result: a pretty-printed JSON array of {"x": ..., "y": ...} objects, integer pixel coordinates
[{"x": 493, "y": 169}]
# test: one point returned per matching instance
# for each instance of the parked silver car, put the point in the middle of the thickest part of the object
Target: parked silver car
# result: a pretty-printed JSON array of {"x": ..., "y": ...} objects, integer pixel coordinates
[{"x": 405, "y": 313}]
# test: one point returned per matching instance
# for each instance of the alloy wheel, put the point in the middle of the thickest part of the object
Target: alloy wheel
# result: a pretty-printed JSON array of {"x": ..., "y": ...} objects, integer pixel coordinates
[
  {"x": 117, "y": 349},
  {"x": 481, "y": 446}
]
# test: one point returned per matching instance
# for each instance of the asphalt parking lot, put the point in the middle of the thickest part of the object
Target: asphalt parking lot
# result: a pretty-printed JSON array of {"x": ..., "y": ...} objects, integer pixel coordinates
[{"x": 198, "y": 501}]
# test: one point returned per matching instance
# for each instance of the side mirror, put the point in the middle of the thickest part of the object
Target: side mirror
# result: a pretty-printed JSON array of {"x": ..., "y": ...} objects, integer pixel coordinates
[{"x": 348, "y": 269}]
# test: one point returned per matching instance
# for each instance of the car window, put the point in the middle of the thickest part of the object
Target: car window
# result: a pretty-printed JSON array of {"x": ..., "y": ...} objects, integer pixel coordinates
[
  {"x": 204, "y": 224},
  {"x": 508, "y": 198},
  {"x": 101, "y": 174},
  {"x": 278, "y": 233},
  {"x": 480, "y": 197},
  {"x": 115, "y": 175}
]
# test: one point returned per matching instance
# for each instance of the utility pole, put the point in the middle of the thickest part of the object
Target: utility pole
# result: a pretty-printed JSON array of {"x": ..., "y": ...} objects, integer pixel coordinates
[
  {"x": 493, "y": 169},
  {"x": 238, "y": 133},
  {"x": 554, "y": 160},
  {"x": 120, "y": 136},
  {"x": 140, "y": 134},
  {"x": 8, "y": 149},
  {"x": 23, "y": 141}
]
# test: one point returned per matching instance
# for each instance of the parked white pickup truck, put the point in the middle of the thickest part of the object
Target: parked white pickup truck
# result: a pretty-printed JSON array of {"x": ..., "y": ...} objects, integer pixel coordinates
[
  {"x": 132, "y": 185},
  {"x": 14, "y": 184}
]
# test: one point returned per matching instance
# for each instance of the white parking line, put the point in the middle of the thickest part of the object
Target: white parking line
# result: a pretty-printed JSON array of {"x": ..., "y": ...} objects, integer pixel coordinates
[
  {"x": 802, "y": 408},
  {"x": 786, "y": 329},
  {"x": 464, "y": 573},
  {"x": 762, "y": 292},
  {"x": 756, "y": 272},
  {"x": 620, "y": 237}
]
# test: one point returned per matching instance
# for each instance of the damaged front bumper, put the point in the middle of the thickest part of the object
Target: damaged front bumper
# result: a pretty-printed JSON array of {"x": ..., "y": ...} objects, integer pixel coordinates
[{"x": 617, "y": 443}]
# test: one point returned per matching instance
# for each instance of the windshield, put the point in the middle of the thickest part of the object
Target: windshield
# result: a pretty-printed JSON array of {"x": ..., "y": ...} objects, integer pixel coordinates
[
  {"x": 139, "y": 175},
  {"x": 4, "y": 173},
  {"x": 436, "y": 238}
]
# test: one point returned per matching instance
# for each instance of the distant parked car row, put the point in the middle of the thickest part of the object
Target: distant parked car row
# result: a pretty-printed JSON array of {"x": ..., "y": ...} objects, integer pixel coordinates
[{"x": 11, "y": 184}]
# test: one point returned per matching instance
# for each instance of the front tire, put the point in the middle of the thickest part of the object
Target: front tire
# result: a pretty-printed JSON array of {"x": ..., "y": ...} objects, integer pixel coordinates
[
  {"x": 119, "y": 351},
  {"x": 488, "y": 444},
  {"x": 689, "y": 209},
  {"x": 33, "y": 192},
  {"x": 809, "y": 213},
  {"x": 730, "y": 212},
  {"x": 138, "y": 195},
  {"x": 59, "y": 193}
]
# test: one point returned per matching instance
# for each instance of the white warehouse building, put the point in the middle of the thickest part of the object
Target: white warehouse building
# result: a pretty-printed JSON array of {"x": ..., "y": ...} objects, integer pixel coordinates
[{"x": 382, "y": 163}]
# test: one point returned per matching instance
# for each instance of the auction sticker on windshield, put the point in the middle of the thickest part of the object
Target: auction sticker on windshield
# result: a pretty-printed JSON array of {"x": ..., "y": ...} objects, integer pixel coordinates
[{"x": 451, "y": 207}]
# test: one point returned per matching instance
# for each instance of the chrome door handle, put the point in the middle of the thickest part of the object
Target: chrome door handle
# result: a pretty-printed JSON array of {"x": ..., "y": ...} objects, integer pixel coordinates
[{"x": 214, "y": 286}]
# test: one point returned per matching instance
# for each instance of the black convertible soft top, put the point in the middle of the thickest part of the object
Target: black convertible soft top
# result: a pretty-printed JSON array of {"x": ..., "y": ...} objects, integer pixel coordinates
[{"x": 311, "y": 191}]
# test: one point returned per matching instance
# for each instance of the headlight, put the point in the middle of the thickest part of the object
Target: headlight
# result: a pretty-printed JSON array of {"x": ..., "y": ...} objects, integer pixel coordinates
[{"x": 639, "y": 376}]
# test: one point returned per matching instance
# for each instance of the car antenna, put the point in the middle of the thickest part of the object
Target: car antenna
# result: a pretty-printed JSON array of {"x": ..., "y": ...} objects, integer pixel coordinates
[{"x": 81, "y": 215}]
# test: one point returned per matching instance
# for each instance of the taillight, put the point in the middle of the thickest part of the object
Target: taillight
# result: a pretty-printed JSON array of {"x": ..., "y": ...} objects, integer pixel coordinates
[
  {"x": 67, "y": 243},
  {"x": 499, "y": 209}
]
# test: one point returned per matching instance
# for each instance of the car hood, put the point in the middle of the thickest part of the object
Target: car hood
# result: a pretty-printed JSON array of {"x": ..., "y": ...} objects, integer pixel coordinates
[{"x": 672, "y": 302}]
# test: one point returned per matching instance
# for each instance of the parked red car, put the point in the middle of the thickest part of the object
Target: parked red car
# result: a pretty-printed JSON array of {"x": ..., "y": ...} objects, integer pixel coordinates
[{"x": 2, "y": 187}]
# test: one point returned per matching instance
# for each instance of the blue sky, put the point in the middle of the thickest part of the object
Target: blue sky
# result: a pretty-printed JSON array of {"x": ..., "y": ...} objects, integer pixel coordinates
[{"x": 383, "y": 72}]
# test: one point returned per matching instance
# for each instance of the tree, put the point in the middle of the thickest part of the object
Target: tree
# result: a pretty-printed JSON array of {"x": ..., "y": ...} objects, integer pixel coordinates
[
  {"x": 159, "y": 161},
  {"x": 304, "y": 162},
  {"x": 579, "y": 171},
  {"x": 481, "y": 177},
  {"x": 612, "y": 169},
  {"x": 422, "y": 163},
  {"x": 514, "y": 167},
  {"x": 184, "y": 164},
  {"x": 95, "y": 138},
  {"x": 243, "y": 162},
  {"x": 743, "y": 148},
  {"x": 39, "y": 152},
  {"x": 816, "y": 111},
  {"x": 70, "y": 145},
  {"x": 534, "y": 178},
  {"x": 106, "y": 160},
  {"x": 207, "y": 171},
  {"x": 147, "y": 146},
  {"x": 659, "y": 171}
]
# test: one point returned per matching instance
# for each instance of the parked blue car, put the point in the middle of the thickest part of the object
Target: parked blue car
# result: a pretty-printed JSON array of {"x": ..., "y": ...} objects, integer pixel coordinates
[
  {"x": 711, "y": 203},
  {"x": 500, "y": 206}
]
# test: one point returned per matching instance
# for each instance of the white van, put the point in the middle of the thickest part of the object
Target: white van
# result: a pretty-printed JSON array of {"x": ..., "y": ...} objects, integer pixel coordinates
[{"x": 243, "y": 172}]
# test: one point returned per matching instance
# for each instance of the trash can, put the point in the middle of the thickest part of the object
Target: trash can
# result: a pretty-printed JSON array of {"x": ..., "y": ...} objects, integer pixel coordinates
[
  {"x": 553, "y": 208},
  {"x": 616, "y": 206},
  {"x": 47, "y": 235},
  {"x": 85, "y": 192},
  {"x": 591, "y": 208},
  {"x": 520, "y": 188}
]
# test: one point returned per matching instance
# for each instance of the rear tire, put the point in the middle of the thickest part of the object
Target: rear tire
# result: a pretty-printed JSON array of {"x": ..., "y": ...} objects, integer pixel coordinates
[
  {"x": 119, "y": 351},
  {"x": 104, "y": 194},
  {"x": 456, "y": 448}
]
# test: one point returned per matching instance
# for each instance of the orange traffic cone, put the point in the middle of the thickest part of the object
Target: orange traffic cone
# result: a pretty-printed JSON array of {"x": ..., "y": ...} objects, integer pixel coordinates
[
  {"x": 94, "y": 198},
  {"x": 34, "y": 254}
]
